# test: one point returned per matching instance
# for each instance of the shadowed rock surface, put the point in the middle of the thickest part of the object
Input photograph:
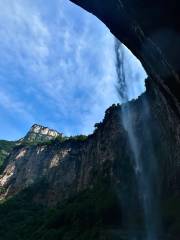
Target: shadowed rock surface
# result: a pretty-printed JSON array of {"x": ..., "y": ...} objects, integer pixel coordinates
[
  {"x": 86, "y": 188},
  {"x": 151, "y": 30},
  {"x": 71, "y": 167}
]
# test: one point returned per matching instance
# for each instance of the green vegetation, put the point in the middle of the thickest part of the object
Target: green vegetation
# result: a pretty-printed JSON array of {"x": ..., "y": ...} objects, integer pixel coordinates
[
  {"x": 59, "y": 139},
  {"x": 62, "y": 139},
  {"x": 78, "y": 138},
  {"x": 83, "y": 217},
  {"x": 7, "y": 146},
  {"x": 5, "y": 149}
]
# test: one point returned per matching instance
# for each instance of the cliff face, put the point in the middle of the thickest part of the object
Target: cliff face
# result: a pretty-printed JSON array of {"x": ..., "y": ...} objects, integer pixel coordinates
[
  {"x": 69, "y": 167},
  {"x": 64, "y": 169},
  {"x": 72, "y": 166},
  {"x": 39, "y": 133}
]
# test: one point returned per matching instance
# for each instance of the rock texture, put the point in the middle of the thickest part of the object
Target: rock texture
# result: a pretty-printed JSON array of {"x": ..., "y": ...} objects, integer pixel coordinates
[
  {"x": 65, "y": 169},
  {"x": 151, "y": 31},
  {"x": 72, "y": 166},
  {"x": 68, "y": 167},
  {"x": 39, "y": 133}
]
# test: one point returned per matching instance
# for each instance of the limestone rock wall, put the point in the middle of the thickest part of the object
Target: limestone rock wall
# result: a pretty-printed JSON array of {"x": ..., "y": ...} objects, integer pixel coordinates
[
  {"x": 72, "y": 166},
  {"x": 39, "y": 133}
]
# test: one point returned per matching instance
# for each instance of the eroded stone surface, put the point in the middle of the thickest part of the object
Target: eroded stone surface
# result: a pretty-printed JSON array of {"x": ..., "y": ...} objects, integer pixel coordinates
[
  {"x": 73, "y": 166},
  {"x": 39, "y": 133}
]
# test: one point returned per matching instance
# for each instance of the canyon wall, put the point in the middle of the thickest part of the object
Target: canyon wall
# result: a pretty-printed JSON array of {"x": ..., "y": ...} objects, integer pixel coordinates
[
  {"x": 67, "y": 168},
  {"x": 73, "y": 166}
]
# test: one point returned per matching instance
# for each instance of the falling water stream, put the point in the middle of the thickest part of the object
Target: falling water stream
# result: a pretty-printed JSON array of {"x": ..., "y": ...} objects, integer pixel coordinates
[{"x": 145, "y": 168}]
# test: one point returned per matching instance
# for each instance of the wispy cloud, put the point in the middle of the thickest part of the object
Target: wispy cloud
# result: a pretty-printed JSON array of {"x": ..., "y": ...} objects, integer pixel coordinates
[{"x": 57, "y": 65}]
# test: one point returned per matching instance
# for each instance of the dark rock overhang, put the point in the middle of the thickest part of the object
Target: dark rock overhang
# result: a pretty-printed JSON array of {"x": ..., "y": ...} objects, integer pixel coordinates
[{"x": 151, "y": 30}]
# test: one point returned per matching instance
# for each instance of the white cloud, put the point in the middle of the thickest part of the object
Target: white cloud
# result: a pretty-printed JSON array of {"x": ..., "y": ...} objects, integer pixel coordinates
[
  {"x": 56, "y": 59},
  {"x": 14, "y": 106}
]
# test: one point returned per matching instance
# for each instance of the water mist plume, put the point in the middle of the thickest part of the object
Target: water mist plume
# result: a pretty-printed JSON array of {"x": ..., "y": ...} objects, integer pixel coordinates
[
  {"x": 130, "y": 74},
  {"x": 145, "y": 172}
]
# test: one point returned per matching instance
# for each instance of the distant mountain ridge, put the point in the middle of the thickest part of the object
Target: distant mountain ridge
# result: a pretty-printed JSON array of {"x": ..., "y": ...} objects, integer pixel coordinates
[
  {"x": 73, "y": 172},
  {"x": 39, "y": 133},
  {"x": 36, "y": 134}
]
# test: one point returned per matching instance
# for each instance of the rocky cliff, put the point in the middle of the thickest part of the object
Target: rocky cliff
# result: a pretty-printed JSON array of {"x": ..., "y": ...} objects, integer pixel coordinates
[
  {"x": 65, "y": 168},
  {"x": 39, "y": 133},
  {"x": 71, "y": 171},
  {"x": 72, "y": 165},
  {"x": 150, "y": 29},
  {"x": 69, "y": 166}
]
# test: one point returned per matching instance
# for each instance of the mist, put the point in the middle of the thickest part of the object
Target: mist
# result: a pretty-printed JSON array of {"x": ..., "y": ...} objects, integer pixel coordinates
[{"x": 130, "y": 85}]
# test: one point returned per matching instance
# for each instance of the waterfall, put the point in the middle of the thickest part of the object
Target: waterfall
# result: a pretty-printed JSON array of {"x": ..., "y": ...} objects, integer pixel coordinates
[{"x": 144, "y": 165}]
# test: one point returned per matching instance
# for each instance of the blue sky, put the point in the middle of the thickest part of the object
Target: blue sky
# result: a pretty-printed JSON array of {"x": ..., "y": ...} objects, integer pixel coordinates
[{"x": 56, "y": 67}]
